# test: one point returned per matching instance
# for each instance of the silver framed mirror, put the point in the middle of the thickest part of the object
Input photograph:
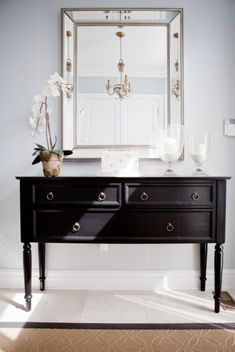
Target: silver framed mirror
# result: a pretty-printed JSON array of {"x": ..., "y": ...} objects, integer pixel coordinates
[{"x": 124, "y": 70}]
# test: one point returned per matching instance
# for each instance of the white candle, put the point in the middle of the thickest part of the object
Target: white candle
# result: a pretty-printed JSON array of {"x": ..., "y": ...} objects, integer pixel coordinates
[
  {"x": 199, "y": 153},
  {"x": 200, "y": 149},
  {"x": 171, "y": 146}
]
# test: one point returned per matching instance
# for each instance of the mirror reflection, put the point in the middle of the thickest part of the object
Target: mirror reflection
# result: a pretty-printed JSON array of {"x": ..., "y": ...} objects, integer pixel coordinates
[{"x": 124, "y": 69}]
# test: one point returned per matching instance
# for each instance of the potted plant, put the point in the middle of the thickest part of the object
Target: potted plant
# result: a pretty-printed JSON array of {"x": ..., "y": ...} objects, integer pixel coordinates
[{"x": 50, "y": 157}]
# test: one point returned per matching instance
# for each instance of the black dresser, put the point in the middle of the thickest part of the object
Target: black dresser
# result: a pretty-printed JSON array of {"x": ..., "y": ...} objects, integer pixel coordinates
[{"x": 123, "y": 210}]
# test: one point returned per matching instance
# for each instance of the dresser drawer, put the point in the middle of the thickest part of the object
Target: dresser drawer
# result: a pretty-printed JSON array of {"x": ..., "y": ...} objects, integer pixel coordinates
[
  {"x": 70, "y": 226},
  {"x": 170, "y": 194},
  {"x": 123, "y": 227},
  {"x": 169, "y": 226},
  {"x": 77, "y": 194}
]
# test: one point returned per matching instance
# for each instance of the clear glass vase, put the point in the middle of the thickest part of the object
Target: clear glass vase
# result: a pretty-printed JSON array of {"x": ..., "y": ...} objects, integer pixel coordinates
[
  {"x": 199, "y": 147},
  {"x": 170, "y": 144}
]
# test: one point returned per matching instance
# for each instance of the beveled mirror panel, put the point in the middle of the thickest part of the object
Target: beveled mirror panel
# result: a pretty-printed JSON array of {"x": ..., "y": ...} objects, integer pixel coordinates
[{"x": 124, "y": 68}]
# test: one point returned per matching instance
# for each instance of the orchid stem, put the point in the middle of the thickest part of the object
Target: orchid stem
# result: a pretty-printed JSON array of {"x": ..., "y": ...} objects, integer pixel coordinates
[{"x": 48, "y": 129}]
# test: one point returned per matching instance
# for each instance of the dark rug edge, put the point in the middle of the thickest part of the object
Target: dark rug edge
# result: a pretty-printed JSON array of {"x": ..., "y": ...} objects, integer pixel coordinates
[{"x": 117, "y": 326}]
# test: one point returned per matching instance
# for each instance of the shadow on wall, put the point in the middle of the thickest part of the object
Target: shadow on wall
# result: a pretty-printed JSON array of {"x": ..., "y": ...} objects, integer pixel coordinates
[{"x": 10, "y": 255}]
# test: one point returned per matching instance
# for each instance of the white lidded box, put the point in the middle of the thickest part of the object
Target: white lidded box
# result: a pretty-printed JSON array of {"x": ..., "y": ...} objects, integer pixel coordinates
[{"x": 120, "y": 162}]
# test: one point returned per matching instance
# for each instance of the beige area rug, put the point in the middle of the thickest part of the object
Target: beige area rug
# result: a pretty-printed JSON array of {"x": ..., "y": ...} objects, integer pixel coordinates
[{"x": 116, "y": 340}]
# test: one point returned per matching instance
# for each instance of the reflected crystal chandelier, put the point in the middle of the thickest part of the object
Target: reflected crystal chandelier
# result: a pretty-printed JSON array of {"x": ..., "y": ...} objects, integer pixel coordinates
[
  {"x": 69, "y": 85},
  {"x": 123, "y": 88},
  {"x": 176, "y": 86}
]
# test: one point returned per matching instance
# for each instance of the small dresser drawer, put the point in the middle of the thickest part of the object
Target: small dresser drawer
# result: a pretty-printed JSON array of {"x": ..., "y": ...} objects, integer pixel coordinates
[
  {"x": 70, "y": 226},
  {"x": 77, "y": 194},
  {"x": 170, "y": 226},
  {"x": 166, "y": 226},
  {"x": 170, "y": 194}
]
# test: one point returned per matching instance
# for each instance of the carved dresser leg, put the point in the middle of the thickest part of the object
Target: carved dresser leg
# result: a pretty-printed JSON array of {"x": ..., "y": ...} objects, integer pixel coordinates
[
  {"x": 27, "y": 262},
  {"x": 218, "y": 275},
  {"x": 203, "y": 264},
  {"x": 41, "y": 257}
]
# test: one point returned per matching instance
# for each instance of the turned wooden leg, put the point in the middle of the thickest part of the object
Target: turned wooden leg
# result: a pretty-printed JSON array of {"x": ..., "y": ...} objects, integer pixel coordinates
[
  {"x": 41, "y": 257},
  {"x": 27, "y": 262},
  {"x": 203, "y": 264},
  {"x": 218, "y": 268}
]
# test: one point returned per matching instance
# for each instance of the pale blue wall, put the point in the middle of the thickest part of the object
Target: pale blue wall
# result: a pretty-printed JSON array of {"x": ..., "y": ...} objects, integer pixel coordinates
[{"x": 30, "y": 51}]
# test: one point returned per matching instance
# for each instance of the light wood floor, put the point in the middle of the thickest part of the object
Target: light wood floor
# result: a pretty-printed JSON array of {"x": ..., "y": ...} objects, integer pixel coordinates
[{"x": 163, "y": 306}]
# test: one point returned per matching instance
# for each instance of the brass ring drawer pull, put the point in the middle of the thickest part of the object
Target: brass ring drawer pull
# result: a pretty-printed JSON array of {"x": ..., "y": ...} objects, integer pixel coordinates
[
  {"x": 102, "y": 197},
  {"x": 50, "y": 196},
  {"x": 169, "y": 227},
  {"x": 76, "y": 227},
  {"x": 195, "y": 196},
  {"x": 144, "y": 196}
]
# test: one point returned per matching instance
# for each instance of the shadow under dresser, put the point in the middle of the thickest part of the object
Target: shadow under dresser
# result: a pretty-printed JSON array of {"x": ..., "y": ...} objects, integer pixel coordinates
[{"x": 123, "y": 210}]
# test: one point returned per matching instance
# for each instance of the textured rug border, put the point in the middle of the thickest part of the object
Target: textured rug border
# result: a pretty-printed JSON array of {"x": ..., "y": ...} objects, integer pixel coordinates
[{"x": 117, "y": 326}]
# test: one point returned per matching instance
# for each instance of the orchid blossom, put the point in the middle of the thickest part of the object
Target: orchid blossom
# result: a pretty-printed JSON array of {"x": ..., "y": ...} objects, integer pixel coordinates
[{"x": 40, "y": 117}]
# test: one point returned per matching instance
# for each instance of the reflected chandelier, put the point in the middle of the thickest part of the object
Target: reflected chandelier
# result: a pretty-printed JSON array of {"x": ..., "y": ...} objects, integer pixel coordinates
[
  {"x": 69, "y": 85},
  {"x": 176, "y": 85},
  {"x": 123, "y": 88}
]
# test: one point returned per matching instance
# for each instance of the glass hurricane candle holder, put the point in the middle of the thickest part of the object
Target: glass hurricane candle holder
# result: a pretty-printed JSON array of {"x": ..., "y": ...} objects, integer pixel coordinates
[
  {"x": 171, "y": 142},
  {"x": 199, "y": 147}
]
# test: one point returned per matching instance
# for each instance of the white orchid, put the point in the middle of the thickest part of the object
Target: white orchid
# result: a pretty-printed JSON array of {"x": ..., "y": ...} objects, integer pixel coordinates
[
  {"x": 51, "y": 90},
  {"x": 56, "y": 79},
  {"x": 40, "y": 118}
]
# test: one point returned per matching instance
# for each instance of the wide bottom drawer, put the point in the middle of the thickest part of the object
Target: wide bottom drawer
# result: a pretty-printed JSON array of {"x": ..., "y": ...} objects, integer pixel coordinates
[{"x": 123, "y": 227}]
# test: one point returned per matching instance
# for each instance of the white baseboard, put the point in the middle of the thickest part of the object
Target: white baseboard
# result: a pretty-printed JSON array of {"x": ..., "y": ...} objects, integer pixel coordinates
[{"x": 115, "y": 280}]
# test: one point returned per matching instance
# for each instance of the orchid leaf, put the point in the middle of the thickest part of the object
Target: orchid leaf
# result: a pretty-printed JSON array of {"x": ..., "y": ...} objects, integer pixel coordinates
[
  {"x": 40, "y": 146},
  {"x": 54, "y": 143},
  {"x": 58, "y": 152},
  {"x": 36, "y": 160},
  {"x": 67, "y": 152}
]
